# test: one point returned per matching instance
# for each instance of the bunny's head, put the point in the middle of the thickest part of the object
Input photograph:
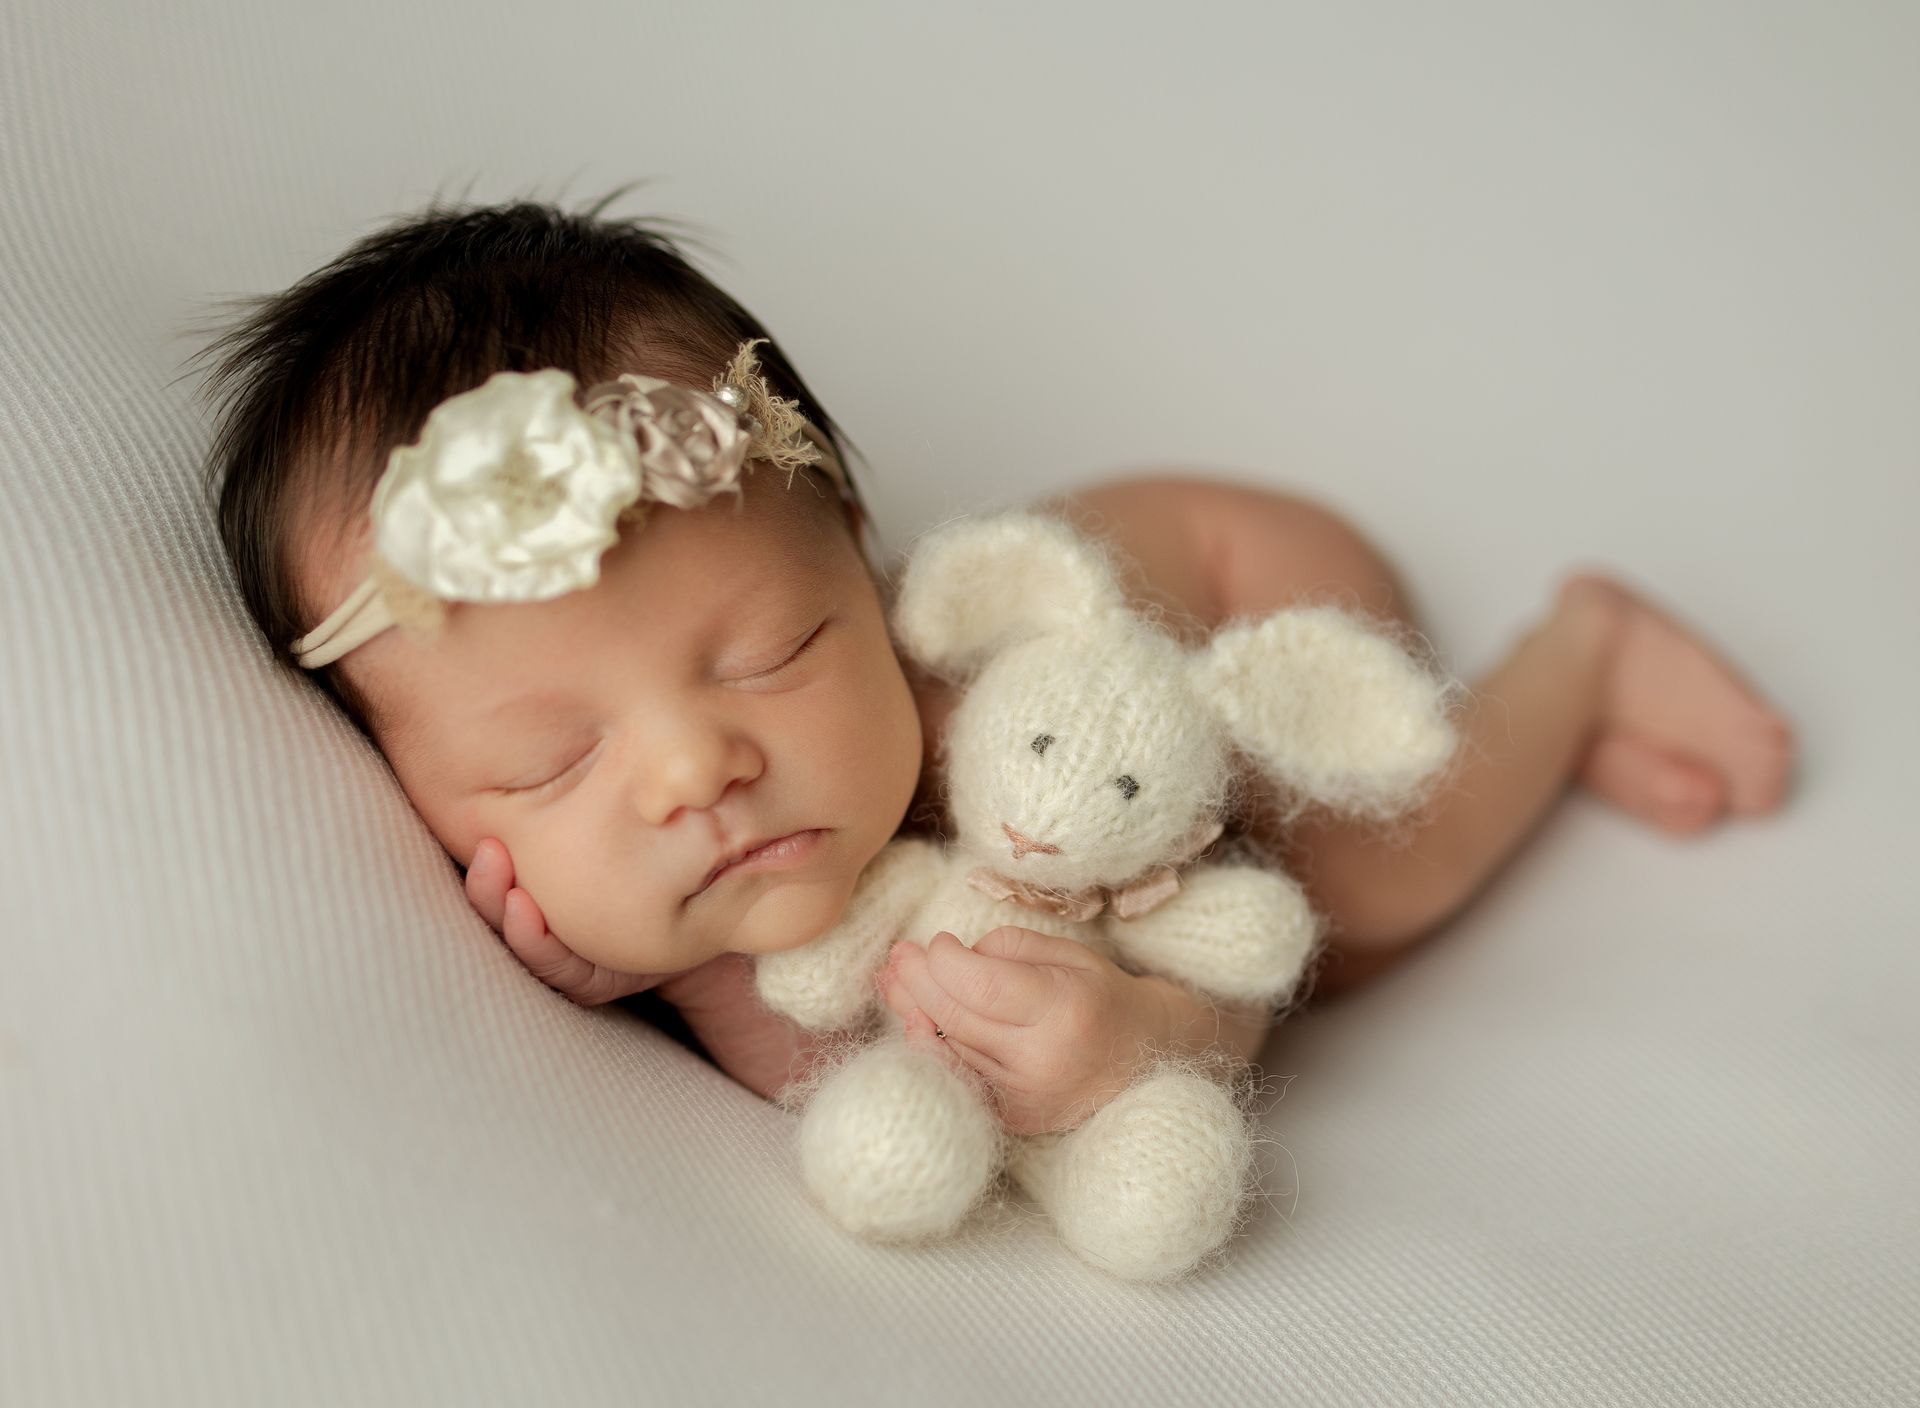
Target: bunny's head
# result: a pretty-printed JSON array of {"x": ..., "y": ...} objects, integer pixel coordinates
[{"x": 1091, "y": 745}]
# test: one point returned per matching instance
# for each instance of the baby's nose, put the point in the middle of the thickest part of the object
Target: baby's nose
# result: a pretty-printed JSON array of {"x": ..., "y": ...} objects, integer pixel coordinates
[{"x": 1023, "y": 844}]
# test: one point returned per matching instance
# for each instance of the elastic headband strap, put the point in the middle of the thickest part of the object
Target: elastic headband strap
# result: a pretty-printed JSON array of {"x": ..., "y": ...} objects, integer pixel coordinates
[{"x": 358, "y": 619}]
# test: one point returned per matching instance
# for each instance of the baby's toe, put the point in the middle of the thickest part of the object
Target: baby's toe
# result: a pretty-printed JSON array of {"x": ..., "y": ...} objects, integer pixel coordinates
[
  {"x": 1676, "y": 793},
  {"x": 1769, "y": 751},
  {"x": 1669, "y": 688}
]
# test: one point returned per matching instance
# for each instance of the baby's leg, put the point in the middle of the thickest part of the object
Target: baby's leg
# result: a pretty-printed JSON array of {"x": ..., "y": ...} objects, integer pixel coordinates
[{"x": 1604, "y": 690}]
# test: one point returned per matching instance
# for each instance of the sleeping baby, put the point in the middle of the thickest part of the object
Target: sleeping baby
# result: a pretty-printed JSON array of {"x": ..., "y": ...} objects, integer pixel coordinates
[{"x": 560, "y": 528}]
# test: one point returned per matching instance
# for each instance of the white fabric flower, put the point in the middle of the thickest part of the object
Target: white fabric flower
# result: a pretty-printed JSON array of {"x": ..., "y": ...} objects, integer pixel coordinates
[{"x": 511, "y": 493}]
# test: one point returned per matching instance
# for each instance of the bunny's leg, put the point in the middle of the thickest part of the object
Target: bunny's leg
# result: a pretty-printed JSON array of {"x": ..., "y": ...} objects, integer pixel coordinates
[
  {"x": 1151, "y": 1183},
  {"x": 897, "y": 1146}
]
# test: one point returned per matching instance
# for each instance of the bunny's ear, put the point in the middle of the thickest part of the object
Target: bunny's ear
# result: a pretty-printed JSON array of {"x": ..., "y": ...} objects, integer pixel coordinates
[
  {"x": 976, "y": 585},
  {"x": 1330, "y": 705}
]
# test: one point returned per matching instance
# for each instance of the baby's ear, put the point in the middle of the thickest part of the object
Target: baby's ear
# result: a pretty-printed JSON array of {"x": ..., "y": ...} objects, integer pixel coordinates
[
  {"x": 1329, "y": 702},
  {"x": 976, "y": 585}
]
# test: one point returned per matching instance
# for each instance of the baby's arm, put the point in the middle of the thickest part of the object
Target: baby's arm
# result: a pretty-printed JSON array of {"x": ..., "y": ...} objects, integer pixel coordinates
[
  {"x": 757, "y": 1047},
  {"x": 1196, "y": 1024}
]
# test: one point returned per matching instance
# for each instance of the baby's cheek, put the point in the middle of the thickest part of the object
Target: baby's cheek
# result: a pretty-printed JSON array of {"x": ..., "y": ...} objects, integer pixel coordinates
[
  {"x": 870, "y": 752},
  {"x": 605, "y": 917}
]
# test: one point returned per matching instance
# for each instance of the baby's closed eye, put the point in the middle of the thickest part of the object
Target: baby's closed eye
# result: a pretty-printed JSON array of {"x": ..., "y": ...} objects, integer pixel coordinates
[
  {"x": 537, "y": 789},
  {"x": 794, "y": 658}
]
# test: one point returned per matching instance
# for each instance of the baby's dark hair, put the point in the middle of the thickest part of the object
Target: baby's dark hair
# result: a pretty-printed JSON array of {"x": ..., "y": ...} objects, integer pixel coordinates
[{"x": 313, "y": 387}]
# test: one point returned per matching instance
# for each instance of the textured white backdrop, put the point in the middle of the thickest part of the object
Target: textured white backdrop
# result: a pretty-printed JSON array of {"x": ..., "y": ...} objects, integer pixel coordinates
[{"x": 1515, "y": 285}]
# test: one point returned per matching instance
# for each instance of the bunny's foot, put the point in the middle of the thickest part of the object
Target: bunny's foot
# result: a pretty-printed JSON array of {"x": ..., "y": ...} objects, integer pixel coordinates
[
  {"x": 897, "y": 1146},
  {"x": 1151, "y": 1183}
]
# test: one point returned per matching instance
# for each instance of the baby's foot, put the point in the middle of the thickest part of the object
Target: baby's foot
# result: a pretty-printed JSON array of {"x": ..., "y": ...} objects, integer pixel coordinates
[{"x": 1683, "y": 736}]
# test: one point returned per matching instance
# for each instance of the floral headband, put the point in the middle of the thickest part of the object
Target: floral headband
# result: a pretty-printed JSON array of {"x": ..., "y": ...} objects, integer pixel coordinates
[{"x": 513, "y": 491}]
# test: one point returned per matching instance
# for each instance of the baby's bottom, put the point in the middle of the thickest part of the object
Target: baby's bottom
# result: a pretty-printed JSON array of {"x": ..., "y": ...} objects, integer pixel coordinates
[{"x": 1604, "y": 690}]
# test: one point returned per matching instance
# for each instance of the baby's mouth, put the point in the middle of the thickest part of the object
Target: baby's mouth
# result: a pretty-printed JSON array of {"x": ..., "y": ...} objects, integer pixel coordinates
[{"x": 771, "y": 848}]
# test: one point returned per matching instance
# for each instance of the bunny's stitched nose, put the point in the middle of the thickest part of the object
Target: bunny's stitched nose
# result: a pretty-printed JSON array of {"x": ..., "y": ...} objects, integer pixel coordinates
[{"x": 1021, "y": 845}]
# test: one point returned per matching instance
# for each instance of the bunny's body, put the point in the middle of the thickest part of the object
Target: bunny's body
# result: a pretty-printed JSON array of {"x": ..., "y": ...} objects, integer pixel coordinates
[{"x": 1091, "y": 755}]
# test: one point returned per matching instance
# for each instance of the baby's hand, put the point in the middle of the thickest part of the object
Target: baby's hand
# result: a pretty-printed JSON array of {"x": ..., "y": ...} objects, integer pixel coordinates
[
  {"x": 490, "y": 889},
  {"x": 1056, "y": 1029}
]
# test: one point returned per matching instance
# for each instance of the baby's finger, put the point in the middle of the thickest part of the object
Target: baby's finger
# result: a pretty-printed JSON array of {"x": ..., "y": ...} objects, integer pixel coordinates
[
  {"x": 552, "y": 962},
  {"x": 896, "y": 995},
  {"x": 982, "y": 1064},
  {"x": 961, "y": 1058},
  {"x": 489, "y": 877},
  {"x": 523, "y": 923},
  {"x": 1010, "y": 941},
  {"x": 923, "y": 1035},
  {"x": 911, "y": 972},
  {"x": 1006, "y": 989}
]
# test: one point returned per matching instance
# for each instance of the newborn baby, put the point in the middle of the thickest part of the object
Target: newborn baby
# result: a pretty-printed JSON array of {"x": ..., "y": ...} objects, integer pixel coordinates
[{"x": 687, "y": 763}]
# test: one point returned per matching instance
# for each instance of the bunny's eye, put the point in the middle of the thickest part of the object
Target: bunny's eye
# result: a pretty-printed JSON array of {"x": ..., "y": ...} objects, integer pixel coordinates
[
  {"x": 1039, "y": 744},
  {"x": 1127, "y": 785}
]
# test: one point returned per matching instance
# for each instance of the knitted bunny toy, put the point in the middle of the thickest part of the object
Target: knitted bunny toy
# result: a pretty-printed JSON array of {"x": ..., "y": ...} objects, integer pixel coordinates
[{"x": 1090, "y": 757}]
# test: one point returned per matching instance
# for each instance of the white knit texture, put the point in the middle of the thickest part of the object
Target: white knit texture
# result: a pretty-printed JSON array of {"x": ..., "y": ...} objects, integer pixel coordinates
[
  {"x": 898, "y": 1146},
  {"x": 1332, "y": 709},
  {"x": 1154, "y": 1180},
  {"x": 1088, "y": 746}
]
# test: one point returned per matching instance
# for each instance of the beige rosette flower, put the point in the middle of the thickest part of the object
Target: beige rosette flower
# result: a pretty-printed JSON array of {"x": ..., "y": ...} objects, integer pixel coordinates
[
  {"x": 512, "y": 493},
  {"x": 692, "y": 445}
]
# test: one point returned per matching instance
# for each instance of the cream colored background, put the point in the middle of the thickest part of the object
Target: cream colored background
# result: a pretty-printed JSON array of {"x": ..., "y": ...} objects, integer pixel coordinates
[{"x": 1517, "y": 286}]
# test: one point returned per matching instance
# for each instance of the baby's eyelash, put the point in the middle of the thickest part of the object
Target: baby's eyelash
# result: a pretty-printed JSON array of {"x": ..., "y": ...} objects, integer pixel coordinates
[
  {"x": 805, "y": 646},
  {"x": 540, "y": 787}
]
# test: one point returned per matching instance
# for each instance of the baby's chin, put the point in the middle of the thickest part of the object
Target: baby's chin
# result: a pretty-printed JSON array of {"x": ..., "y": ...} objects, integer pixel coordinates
[
  {"x": 788, "y": 916},
  {"x": 781, "y": 916}
]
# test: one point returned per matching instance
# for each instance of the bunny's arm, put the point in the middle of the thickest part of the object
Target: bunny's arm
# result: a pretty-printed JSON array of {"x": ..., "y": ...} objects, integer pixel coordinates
[
  {"x": 1238, "y": 933},
  {"x": 827, "y": 985}
]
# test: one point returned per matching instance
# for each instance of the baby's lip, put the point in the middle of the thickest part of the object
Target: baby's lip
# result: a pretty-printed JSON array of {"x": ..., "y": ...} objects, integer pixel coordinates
[{"x": 740, "y": 854}]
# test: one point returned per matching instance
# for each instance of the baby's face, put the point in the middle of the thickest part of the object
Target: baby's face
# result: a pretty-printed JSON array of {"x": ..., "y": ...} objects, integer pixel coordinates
[{"x": 729, "y": 680}]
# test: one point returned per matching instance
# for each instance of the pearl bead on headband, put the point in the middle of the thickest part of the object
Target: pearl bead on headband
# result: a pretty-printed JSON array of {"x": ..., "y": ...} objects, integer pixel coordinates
[{"x": 513, "y": 491}]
